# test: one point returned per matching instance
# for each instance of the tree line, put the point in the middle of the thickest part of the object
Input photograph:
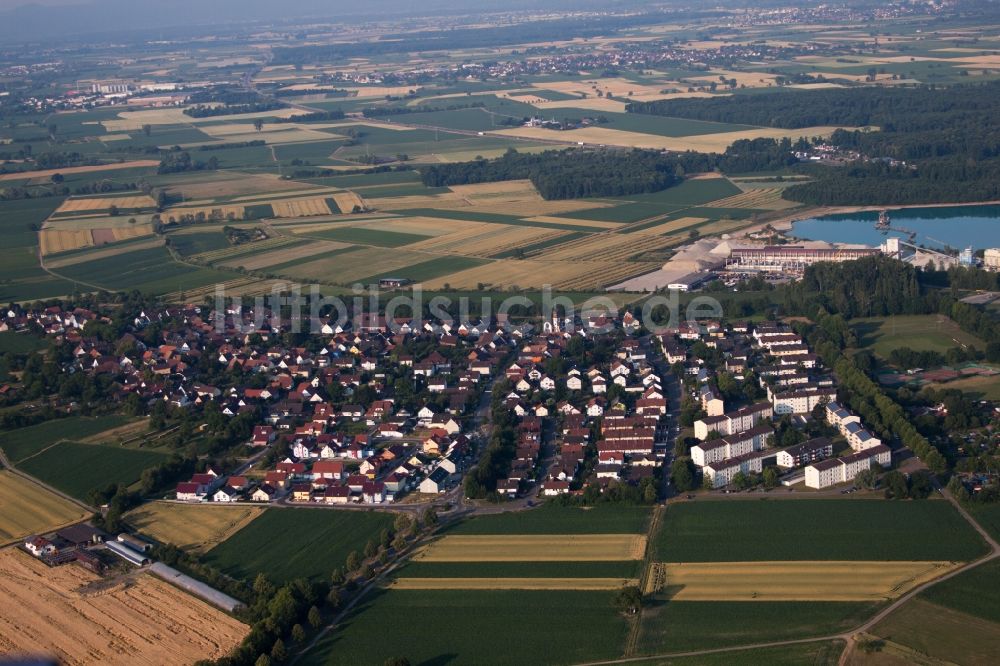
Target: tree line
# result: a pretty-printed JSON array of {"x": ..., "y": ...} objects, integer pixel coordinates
[{"x": 928, "y": 144}]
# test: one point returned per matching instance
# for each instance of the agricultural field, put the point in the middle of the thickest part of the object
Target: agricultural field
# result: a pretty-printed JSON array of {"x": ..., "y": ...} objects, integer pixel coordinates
[
  {"x": 196, "y": 528},
  {"x": 477, "y": 626},
  {"x": 918, "y": 332},
  {"x": 674, "y": 626},
  {"x": 76, "y": 469},
  {"x": 534, "y": 548},
  {"x": 552, "y": 519},
  {"x": 151, "y": 270},
  {"x": 857, "y": 529},
  {"x": 24, "y": 442},
  {"x": 941, "y": 633},
  {"x": 138, "y": 619},
  {"x": 20, "y": 343},
  {"x": 27, "y": 508},
  {"x": 293, "y": 543},
  {"x": 795, "y": 581},
  {"x": 818, "y": 653}
]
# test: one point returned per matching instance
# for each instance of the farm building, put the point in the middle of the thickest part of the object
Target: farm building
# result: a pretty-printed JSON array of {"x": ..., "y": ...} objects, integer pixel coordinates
[{"x": 127, "y": 554}]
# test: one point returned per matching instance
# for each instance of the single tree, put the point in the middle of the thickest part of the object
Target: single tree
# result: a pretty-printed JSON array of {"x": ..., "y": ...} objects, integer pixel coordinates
[
  {"x": 628, "y": 600},
  {"x": 315, "y": 619},
  {"x": 278, "y": 651}
]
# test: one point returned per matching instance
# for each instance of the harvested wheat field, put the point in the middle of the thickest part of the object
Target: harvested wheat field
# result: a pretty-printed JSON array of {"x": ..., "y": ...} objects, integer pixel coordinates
[
  {"x": 671, "y": 226},
  {"x": 581, "y": 584},
  {"x": 538, "y": 272},
  {"x": 64, "y": 240},
  {"x": 484, "y": 239},
  {"x": 195, "y": 527},
  {"x": 135, "y": 621},
  {"x": 105, "y": 203},
  {"x": 589, "y": 103},
  {"x": 28, "y": 508},
  {"x": 761, "y": 198},
  {"x": 585, "y": 224},
  {"x": 535, "y": 548},
  {"x": 346, "y": 201},
  {"x": 511, "y": 190},
  {"x": 48, "y": 173},
  {"x": 103, "y": 253},
  {"x": 301, "y": 208},
  {"x": 706, "y": 143},
  {"x": 797, "y": 581}
]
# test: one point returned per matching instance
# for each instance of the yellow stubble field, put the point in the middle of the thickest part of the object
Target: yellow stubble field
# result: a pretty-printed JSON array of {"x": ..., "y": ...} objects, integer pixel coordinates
[
  {"x": 105, "y": 203},
  {"x": 535, "y": 548},
  {"x": 195, "y": 527},
  {"x": 137, "y": 620},
  {"x": 27, "y": 508},
  {"x": 797, "y": 581}
]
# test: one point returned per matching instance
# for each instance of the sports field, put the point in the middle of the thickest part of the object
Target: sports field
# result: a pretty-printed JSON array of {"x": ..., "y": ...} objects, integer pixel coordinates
[
  {"x": 796, "y": 581},
  {"x": 193, "y": 527},
  {"x": 855, "y": 529},
  {"x": 534, "y": 548},
  {"x": 27, "y": 508},
  {"x": 295, "y": 543},
  {"x": 918, "y": 332}
]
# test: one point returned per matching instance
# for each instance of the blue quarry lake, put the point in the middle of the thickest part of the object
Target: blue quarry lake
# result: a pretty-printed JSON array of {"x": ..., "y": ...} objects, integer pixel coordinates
[{"x": 957, "y": 226}]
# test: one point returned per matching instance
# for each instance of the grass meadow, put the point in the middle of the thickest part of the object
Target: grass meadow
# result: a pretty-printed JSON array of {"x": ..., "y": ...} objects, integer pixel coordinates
[
  {"x": 297, "y": 543},
  {"x": 76, "y": 469},
  {"x": 23, "y": 442}
]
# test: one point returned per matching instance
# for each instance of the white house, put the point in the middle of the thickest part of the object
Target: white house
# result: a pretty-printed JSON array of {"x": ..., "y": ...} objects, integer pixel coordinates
[{"x": 841, "y": 470}]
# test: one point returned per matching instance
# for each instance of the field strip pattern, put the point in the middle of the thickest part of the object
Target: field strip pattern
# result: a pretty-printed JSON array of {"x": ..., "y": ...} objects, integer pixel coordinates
[
  {"x": 793, "y": 581},
  {"x": 581, "y": 584},
  {"x": 535, "y": 548}
]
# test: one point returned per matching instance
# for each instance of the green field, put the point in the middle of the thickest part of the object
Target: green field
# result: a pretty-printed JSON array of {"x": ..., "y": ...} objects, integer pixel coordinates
[
  {"x": 760, "y": 530},
  {"x": 918, "y": 332},
  {"x": 965, "y": 592},
  {"x": 23, "y": 442},
  {"x": 675, "y": 626},
  {"x": 818, "y": 653},
  {"x": 21, "y": 343},
  {"x": 476, "y": 627},
  {"x": 552, "y": 519},
  {"x": 76, "y": 469},
  {"x": 297, "y": 543},
  {"x": 988, "y": 517},
  {"x": 520, "y": 570},
  {"x": 942, "y": 633},
  {"x": 152, "y": 270},
  {"x": 198, "y": 242}
]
